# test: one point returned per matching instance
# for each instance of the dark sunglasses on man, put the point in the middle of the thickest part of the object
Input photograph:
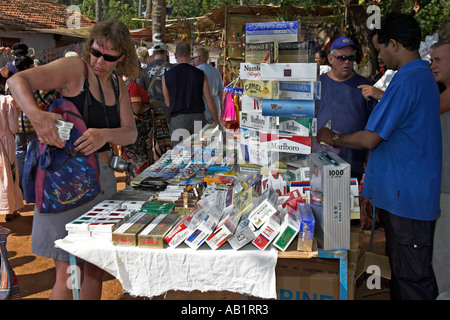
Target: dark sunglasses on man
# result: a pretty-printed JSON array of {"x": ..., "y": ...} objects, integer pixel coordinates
[
  {"x": 106, "y": 57},
  {"x": 345, "y": 58}
]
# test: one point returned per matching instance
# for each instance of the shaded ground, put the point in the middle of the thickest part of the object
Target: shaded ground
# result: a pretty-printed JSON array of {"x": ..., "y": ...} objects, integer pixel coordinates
[{"x": 36, "y": 274}]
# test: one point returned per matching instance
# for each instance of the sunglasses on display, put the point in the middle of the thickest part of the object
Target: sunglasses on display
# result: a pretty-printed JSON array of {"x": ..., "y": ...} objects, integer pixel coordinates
[
  {"x": 106, "y": 57},
  {"x": 345, "y": 58}
]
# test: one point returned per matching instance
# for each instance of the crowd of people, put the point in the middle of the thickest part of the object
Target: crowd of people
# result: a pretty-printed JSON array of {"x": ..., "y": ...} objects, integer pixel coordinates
[{"x": 395, "y": 135}]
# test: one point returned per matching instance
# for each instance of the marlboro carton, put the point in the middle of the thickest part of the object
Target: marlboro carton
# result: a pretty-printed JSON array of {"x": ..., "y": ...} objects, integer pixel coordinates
[
  {"x": 289, "y": 71},
  {"x": 330, "y": 200},
  {"x": 133, "y": 204},
  {"x": 262, "y": 89},
  {"x": 306, "y": 127},
  {"x": 268, "y": 232},
  {"x": 225, "y": 228},
  {"x": 251, "y": 104},
  {"x": 186, "y": 226},
  {"x": 282, "y": 31},
  {"x": 80, "y": 226},
  {"x": 283, "y": 142},
  {"x": 250, "y": 71},
  {"x": 288, "y": 108},
  {"x": 244, "y": 233},
  {"x": 109, "y": 204},
  {"x": 266, "y": 52},
  {"x": 127, "y": 233},
  {"x": 256, "y": 121},
  {"x": 153, "y": 235},
  {"x": 306, "y": 228}
]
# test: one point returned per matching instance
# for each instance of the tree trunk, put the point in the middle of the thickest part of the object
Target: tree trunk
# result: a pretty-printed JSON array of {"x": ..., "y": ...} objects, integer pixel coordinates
[
  {"x": 159, "y": 20},
  {"x": 98, "y": 10},
  {"x": 140, "y": 8}
]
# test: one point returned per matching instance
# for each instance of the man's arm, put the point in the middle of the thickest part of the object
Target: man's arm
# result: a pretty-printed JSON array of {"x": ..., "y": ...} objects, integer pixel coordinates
[
  {"x": 210, "y": 101},
  {"x": 165, "y": 92},
  {"x": 361, "y": 140}
]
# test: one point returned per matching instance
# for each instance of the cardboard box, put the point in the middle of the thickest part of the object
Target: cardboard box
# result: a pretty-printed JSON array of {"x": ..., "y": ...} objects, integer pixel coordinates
[
  {"x": 306, "y": 127},
  {"x": 250, "y": 104},
  {"x": 288, "y": 108},
  {"x": 127, "y": 233},
  {"x": 330, "y": 200},
  {"x": 315, "y": 278},
  {"x": 300, "y": 90},
  {"x": 250, "y": 71},
  {"x": 266, "y": 52},
  {"x": 292, "y": 52},
  {"x": 262, "y": 89},
  {"x": 289, "y": 71},
  {"x": 256, "y": 121},
  {"x": 282, "y": 31},
  {"x": 153, "y": 235}
]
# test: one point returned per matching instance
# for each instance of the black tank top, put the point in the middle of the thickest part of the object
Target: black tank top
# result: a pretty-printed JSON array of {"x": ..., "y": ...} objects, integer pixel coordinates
[
  {"x": 96, "y": 116},
  {"x": 185, "y": 85}
]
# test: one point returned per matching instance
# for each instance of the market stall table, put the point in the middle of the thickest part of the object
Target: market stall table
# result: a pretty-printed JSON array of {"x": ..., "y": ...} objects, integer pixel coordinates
[{"x": 151, "y": 272}]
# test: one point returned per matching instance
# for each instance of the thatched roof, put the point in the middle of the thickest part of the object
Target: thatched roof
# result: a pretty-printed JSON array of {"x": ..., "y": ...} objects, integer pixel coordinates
[{"x": 29, "y": 15}]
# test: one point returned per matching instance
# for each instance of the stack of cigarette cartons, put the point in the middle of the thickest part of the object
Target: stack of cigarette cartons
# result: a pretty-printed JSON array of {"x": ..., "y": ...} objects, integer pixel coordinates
[
  {"x": 225, "y": 228},
  {"x": 306, "y": 228},
  {"x": 280, "y": 95}
]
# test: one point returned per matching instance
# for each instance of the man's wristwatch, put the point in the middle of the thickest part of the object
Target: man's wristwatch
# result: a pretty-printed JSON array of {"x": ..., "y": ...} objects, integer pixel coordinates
[{"x": 335, "y": 138}]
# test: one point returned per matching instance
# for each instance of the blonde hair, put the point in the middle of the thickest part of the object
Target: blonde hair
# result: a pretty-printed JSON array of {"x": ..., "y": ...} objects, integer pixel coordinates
[{"x": 115, "y": 33}]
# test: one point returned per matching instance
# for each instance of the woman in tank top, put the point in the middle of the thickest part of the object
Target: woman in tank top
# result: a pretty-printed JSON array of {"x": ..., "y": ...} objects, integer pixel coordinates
[{"x": 109, "y": 47}]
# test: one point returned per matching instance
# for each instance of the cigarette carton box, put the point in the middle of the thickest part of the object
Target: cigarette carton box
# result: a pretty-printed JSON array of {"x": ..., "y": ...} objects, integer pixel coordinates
[
  {"x": 288, "y": 108},
  {"x": 225, "y": 228},
  {"x": 289, "y": 228},
  {"x": 244, "y": 233},
  {"x": 299, "y": 51},
  {"x": 127, "y": 233},
  {"x": 306, "y": 127},
  {"x": 307, "y": 225},
  {"x": 250, "y": 71},
  {"x": 109, "y": 204},
  {"x": 80, "y": 226},
  {"x": 251, "y": 104},
  {"x": 205, "y": 228},
  {"x": 282, "y": 31},
  {"x": 285, "y": 142},
  {"x": 300, "y": 90},
  {"x": 159, "y": 207},
  {"x": 186, "y": 226},
  {"x": 133, "y": 205},
  {"x": 153, "y": 235},
  {"x": 268, "y": 232},
  {"x": 266, "y": 207},
  {"x": 262, "y": 89},
  {"x": 330, "y": 200},
  {"x": 289, "y": 71},
  {"x": 265, "y": 52},
  {"x": 256, "y": 121}
]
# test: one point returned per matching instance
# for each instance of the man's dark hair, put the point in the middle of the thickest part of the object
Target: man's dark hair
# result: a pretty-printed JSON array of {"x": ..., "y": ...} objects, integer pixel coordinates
[
  {"x": 401, "y": 27},
  {"x": 23, "y": 62}
]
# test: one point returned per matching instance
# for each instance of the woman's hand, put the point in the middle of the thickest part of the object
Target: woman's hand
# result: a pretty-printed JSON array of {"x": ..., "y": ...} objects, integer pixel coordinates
[
  {"x": 91, "y": 140},
  {"x": 44, "y": 125}
]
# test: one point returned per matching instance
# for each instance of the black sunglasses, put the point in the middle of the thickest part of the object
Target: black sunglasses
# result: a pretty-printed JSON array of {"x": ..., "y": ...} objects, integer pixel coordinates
[
  {"x": 344, "y": 58},
  {"x": 106, "y": 57}
]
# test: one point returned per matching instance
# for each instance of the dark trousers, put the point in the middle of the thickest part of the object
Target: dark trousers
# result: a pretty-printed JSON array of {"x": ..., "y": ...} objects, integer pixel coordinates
[{"x": 409, "y": 246}]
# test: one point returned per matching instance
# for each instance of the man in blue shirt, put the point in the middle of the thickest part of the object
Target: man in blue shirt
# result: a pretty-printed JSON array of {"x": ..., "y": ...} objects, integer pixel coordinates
[
  {"x": 200, "y": 60},
  {"x": 342, "y": 103},
  {"x": 403, "y": 174}
]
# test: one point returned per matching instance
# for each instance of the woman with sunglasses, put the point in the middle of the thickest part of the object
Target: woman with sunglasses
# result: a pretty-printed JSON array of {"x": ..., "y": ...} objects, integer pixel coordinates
[{"x": 110, "y": 121}]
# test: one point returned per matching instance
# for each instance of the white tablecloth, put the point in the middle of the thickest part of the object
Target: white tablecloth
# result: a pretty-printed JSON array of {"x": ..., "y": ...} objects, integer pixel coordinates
[{"x": 151, "y": 272}]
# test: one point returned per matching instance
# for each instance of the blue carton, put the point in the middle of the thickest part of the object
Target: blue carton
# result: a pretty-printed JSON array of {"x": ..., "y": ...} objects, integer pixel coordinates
[
  {"x": 288, "y": 108},
  {"x": 307, "y": 224}
]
